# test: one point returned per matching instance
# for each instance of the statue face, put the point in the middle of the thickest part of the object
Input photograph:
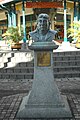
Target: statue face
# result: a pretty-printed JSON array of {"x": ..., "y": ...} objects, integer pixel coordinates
[{"x": 42, "y": 24}]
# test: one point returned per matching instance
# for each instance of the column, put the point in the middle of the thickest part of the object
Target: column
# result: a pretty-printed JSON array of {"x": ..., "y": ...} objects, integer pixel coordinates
[
  {"x": 75, "y": 11},
  {"x": 65, "y": 26},
  {"x": 24, "y": 24},
  {"x": 14, "y": 17},
  {"x": 9, "y": 19},
  {"x": 31, "y": 21},
  {"x": 78, "y": 10},
  {"x": 75, "y": 16}
]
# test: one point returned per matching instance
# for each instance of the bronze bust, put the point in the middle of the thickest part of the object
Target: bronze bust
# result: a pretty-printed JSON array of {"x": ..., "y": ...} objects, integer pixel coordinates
[{"x": 43, "y": 33}]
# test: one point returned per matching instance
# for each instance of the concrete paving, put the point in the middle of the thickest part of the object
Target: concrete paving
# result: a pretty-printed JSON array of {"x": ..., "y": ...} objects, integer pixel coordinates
[{"x": 13, "y": 91}]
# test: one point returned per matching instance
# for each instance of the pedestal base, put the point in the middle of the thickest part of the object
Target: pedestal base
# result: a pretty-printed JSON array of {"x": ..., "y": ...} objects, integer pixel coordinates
[
  {"x": 44, "y": 101},
  {"x": 37, "y": 111}
]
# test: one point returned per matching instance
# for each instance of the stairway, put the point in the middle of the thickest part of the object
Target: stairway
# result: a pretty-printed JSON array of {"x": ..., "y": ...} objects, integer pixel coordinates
[
  {"x": 16, "y": 65},
  {"x": 66, "y": 64},
  {"x": 19, "y": 65}
]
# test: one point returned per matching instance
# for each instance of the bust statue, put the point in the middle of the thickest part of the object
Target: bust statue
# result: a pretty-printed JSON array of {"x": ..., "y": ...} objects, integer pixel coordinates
[{"x": 43, "y": 33}]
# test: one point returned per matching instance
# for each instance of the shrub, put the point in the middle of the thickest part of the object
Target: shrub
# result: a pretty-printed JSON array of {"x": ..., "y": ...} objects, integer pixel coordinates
[{"x": 13, "y": 35}]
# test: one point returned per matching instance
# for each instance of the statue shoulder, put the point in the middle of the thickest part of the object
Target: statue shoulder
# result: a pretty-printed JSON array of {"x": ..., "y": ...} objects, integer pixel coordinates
[
  {"x": 33, "y": 33},
  {"x": 53, "y": 31}
]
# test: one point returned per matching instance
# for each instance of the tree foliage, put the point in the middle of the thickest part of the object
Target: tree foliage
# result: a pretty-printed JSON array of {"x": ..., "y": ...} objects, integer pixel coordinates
[
  {"x": 74, "y": 31},
  {"x": 14, "y": 34}
]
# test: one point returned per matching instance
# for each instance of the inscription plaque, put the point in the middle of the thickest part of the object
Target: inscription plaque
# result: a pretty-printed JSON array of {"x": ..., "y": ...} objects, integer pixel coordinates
[{"x": 43, "y": 59}]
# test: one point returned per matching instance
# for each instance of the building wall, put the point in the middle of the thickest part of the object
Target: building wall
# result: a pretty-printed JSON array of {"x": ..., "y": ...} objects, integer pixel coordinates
[{"x": 29, "y": 11}]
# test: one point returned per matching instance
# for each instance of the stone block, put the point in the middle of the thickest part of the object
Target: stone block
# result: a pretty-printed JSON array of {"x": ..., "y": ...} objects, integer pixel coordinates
[
  {"x": 58, "y": 75},
  {"x": 76, "y": 74},
  {"x": 16, "y": 70},
  {"x": 66, "y": 53},
  {"x": 10, "y": 64},
  {"x": 5, "y": 76},
  {"x": 77, "y": 52},
  {"x": 22, "y": 64},
  {"x": 72, "y": 58},
  {"x": 12, "y": 54},
  {"x": 43, "y": 112},
  {"x": 31, "y": 70},
  {"x": 9, "y": 70},
  {"x": 13, "y": 76},
  {"x": 28, "y": 76},
  {"x": 65, "y": 58},
  {"x": 61, "y": 53},
  {"x": 3, "y": 70},
  {"x": 77, "y": 63},
  {"x": 71, "y": 64},
  {"x": 20, "y": 76},
  {"x": 0, "y": 76},
  {"x": 77, "y": 57},
  {"x": 59, "y": 59},
  {"x": 24, "y": 70},
  {"x": 57, "y": 63},
  {"x": 65, "y": 63},
  {"x": 61, "y": 69},
  {"x": 56, "y": 69},
  {"x": 29, "y": 64}
]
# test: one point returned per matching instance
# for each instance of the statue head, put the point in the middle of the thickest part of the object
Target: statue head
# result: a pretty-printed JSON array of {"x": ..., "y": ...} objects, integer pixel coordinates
[
  {"x": 43, "y": 31},
  {"x": 43, "y": 22}
]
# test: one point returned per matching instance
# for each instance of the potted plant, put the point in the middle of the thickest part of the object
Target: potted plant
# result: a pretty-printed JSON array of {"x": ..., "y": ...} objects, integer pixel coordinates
[
  {"x": 74, "y": 33},
  {"x": 13, "y": 37}
]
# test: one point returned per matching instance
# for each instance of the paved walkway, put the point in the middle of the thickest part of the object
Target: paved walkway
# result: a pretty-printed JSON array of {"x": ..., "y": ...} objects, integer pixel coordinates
[{"x": 12, "y": 92}]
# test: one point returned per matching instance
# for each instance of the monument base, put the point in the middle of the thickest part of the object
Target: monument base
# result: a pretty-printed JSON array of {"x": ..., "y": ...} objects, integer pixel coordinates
[
  {"x": 44, "y": 100},
  {"x": 41, "y": 111}
]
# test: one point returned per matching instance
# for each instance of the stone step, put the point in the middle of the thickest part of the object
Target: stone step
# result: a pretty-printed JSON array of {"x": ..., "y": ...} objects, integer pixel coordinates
[
  {"x": 9, "y": 64},
  {"x": 65, "y": 53},
  {"x": 20, "y": 65},
  {"x": 18, "y": 70},
  {"x": 63, "y": 74},
  {"x": 67, "y": 74},
  {"x": 67, "y": 63},
  {"x": 1, "y": 65},
  {"x": 31, "y": 69},
  {"x": 67, "y": 68},
  {"x": 65, "y": 58},
  {"x": 60, "y": 59},
  {"x": 56, "y": 63},
  {"x": 25, "y": 64},
  {"x": 16, "y": 76},
  {"x": 6, "y": 58}
]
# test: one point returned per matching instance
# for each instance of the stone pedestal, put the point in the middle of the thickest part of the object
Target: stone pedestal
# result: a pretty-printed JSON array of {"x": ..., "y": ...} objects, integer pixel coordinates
[{"x": 44, "y": 100}]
